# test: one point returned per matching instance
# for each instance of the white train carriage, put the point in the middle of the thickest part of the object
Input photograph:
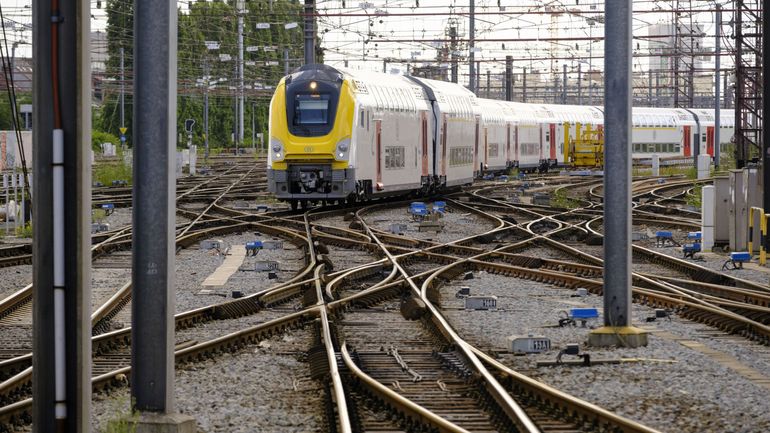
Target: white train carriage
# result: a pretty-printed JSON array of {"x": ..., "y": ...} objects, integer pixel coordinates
[
  {"x": 495, "y": 135},
  {"x": 528, "y": 136},
  {"x": 457, "y": 134},
  {"x": 661, "y": 131},
  {"x": 391, "y": 132}
]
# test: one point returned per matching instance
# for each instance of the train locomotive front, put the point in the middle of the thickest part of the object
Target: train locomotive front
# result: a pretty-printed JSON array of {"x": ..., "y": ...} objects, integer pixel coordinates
[{"x": 311, "y": 123}]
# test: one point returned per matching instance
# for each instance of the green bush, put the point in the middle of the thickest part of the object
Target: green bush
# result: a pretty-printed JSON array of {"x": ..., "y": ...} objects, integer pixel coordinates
[
  {"x": 24, "y": 231},
  {"x": 99, "y": 137}
]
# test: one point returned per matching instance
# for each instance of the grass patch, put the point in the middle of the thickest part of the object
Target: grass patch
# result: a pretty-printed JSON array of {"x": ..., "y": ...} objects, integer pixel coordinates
[
  {"x": 24, "y": 231},
  {"x": 107, "y": 172},
  {"x": 694, "y": 197},
  {"x": 560, "y": 199}
]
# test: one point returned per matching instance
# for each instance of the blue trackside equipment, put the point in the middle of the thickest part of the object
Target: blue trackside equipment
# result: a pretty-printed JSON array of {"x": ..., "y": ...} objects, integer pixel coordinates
[
  {"x": 253, "y": 247},
  {"x": 439, "y": 206},
  {"x": 418, "y": 210},
  {"x": 695, "y": 236},
  {"x": 737, "y": 259},
  {"x": 689, "y": 250}
]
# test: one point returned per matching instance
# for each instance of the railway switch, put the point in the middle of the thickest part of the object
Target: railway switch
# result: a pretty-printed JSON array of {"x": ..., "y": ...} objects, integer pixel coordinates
[
  {"x": 528, "y": 344},
  {"x": 574, "y": 315},
  {"x": 252, "y": 248},
  {"x": 690, "y": 250},
  {"x": 398, "y": 228},
  {"x": 108, "y": 208},
  {"x": 736, "y": 260},
  {"x": 464, "y": 292},
  {"x": 664, "y": 238},
  {"x": 660, "y": 313},
  {"x": 573, "y": 349}
]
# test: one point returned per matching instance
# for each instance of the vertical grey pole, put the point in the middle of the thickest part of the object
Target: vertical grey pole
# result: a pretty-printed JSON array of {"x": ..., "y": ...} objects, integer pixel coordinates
[
  {"x": 717, "y": 82},
  {"x": 766, "y": 107},
  {"x": 240, "y": 7},
  {"x": 309, "y": 32},
  {"x": 286, "y": 61},
  {"x": 617, "y": 159},
  {"x": 253, "y": 130},
  {"x": 657, "y": 88},
  {"x": 524, "y": 84},
  {"x": 649, "y": 88},
  {"x": 206, "y": 120},
  {"x": 61, "y": 346},
  {"x": 384, "y": 66},
  {"x": 346, "y": 63},
  {"x": 488, "y": 89},
  {"x": 6, "y": 184},
  {"x": 122, "y": 89},
  {"x": 471, "y": 44},
  {"x": 154, "y": 190},
  {"x": 580, "y": 84},
  {"x": 564, "y": 85},
  {"x": 509, "y": 78},
  {"x": 14, "y": 183},
  {"x": 453, "y": 47}
]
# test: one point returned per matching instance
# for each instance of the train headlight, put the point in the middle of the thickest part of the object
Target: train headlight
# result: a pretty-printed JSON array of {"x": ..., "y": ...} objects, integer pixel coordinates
[
  {"x": 341, "y": 153},
  {"x": 276, "y": 147}
]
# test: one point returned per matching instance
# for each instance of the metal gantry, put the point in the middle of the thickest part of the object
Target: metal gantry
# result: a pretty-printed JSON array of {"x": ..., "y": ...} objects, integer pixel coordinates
[{"x": 748, "y": 80}]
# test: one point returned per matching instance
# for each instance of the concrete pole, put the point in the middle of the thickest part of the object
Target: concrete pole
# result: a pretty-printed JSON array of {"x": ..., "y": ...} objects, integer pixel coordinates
[
  {"x": 309, "y": 32},
  {"x": 453, "y": 47},
  {"x": 154, "y": 191},
  {"x": 524, "y": 84},
  {"x": 122, "y": 89},
  {"x": 241, "y": 11},
  {"x": 488, "y": 88},
  {"x": 61, "y": 275},
  {"x": 509, "y": 78},
  {"x": 766, "y": 109},
  {"x": 617, "y": 181},
  {"x": 471, "y": 44},
  {"x": 717, "y": 92},
  {"x": 564, "y": 84},
  {"x": 580, "y": 84}
]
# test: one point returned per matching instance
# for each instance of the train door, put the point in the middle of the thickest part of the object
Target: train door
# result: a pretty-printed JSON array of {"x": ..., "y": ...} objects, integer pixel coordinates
[
  {"x": 710, "y": 140},
  {"x": 508, "y": 144},
  {"x": 424, "y": 144},
  {"x": 552, "y": 142},
  {"x": 476, "y": 146},
  {"x": 687, "y": 138},
  {"x": 516, "y": 155},
  {"x": 378, "y": 150},
  {"x": 443, "y": 146}
]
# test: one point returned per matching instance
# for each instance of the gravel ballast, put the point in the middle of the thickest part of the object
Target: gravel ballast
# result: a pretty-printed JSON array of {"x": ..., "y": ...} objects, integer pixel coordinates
[{"x": 674, "y": 388}]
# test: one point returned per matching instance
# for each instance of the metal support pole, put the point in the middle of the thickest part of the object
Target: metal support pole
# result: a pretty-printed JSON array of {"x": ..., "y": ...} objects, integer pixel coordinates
[
  {"x": 617, "y": 180},
  {"x": 524, "y": 84},
  {"x": 241, "y": 11},
  {"x": 253, "y": 129},
  {"x": 61, "y": 347},
  {"x": 122, "y": 90},
  {"x": 471, "y": 46},
  {"x": 286, "y": 61},
  {"x": 649, "y": 88},
  {"x": 453, "y": 47},
  {"x": 488, "y": 88},
  {"x": 717, "y": 92},
  {"x": 580, "y": 84},
  {"x": 384, "y": 66},
  {"x": 309, "y": 32},
  {"x": 564, "y": 84},
  {"x": 509, "y": 78},
  {"x": 154, "y": 190},
  {"x": 657, "y": 88},
  {"x": 206, "y": 120},
  {"x": 766, "y": 106}
]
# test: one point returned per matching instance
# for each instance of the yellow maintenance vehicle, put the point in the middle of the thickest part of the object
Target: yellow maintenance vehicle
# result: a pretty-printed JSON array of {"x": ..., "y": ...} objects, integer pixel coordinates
[{"x": 586, "y": 149}]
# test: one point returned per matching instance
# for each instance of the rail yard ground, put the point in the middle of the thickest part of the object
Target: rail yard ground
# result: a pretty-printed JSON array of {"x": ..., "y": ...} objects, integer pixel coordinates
[{"x": 253, "y": 352}]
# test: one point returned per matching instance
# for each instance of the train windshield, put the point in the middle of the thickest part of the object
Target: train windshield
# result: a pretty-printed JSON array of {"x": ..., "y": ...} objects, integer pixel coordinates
[{"x": 311, "y": 110}]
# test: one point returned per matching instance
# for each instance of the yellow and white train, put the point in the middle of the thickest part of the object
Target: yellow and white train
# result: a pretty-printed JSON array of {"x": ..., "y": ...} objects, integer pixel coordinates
[{"x": 338, "y": 134}]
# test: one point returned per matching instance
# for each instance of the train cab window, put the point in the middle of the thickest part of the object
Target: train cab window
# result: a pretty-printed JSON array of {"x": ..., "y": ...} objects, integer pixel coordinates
[{"x": 311, "y": 109}]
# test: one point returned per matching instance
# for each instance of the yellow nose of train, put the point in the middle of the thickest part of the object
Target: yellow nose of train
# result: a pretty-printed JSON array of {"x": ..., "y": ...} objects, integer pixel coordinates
[{"x": 311, "y": 123}]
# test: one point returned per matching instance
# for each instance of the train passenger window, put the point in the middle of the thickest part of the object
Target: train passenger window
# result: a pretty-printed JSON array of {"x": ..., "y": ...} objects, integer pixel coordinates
[
  {"x": 361, "y": 115},
  {"x": 703, "y": 138}
]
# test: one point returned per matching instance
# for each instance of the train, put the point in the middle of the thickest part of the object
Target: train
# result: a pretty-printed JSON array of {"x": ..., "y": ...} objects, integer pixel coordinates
[{"x": 340, "y": 135}]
